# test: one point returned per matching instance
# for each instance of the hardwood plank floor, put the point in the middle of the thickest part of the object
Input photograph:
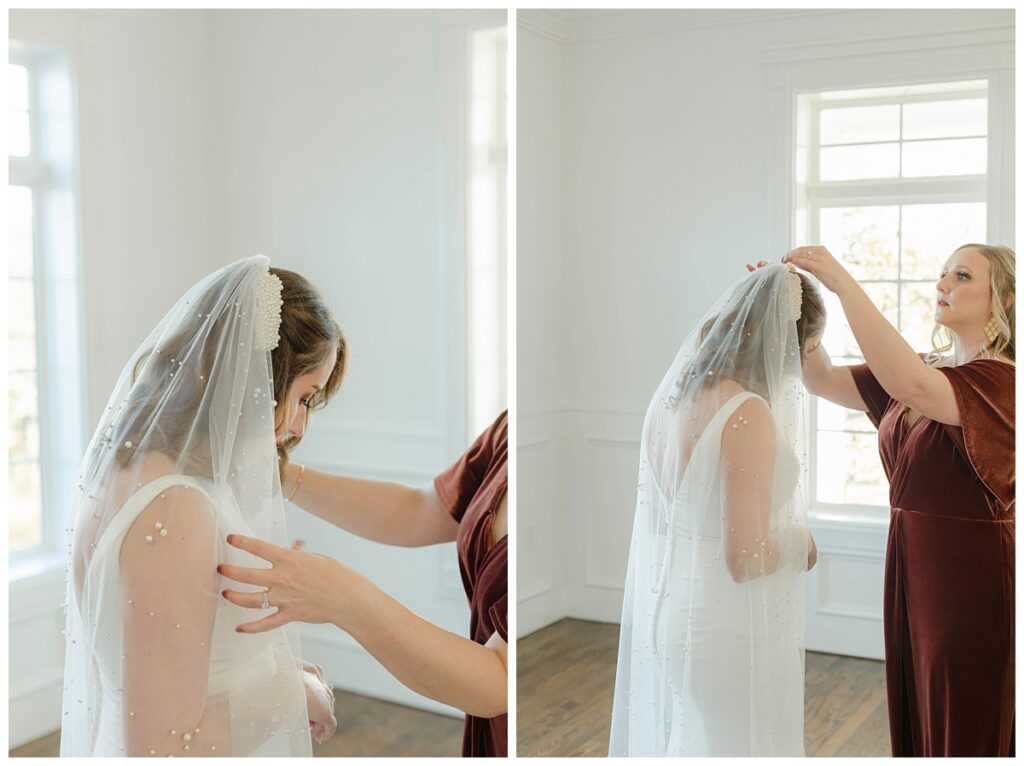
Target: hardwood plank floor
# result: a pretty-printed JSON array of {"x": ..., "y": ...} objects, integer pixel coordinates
[
  {"x": 366, "y": 727},
  {"x": 566, "y": 678}
]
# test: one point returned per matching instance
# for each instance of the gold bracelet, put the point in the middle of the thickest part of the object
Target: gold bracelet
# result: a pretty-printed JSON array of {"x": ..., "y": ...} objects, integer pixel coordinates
[{"x": 298, "y": 481}]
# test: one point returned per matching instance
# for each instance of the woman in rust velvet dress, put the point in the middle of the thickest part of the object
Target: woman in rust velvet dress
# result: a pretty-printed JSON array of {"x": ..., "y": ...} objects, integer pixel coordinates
[
  {"x": 465, "y": 503},
  {"x": 946, "y": 437}
]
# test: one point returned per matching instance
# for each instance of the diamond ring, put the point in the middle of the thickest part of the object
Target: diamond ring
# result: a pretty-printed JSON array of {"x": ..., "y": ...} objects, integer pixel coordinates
[{"x": 265, "y": 600}]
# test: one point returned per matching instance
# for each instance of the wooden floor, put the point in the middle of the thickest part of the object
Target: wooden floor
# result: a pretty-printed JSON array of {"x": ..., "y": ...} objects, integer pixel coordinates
[
  {"x": 566, "y": 678},
  {"x": 366, "y": 727}
]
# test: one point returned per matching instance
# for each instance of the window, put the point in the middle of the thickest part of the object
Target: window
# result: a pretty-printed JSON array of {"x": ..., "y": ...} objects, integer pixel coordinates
[
  {"x": 486, "y": 267},
  {"x": 45, "y": 397},
  {"x": 891, "y": 180}
]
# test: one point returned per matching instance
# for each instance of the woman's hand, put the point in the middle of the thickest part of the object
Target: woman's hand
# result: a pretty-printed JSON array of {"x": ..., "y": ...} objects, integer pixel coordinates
[
  {"x": 320, "y": 704},
  {"x": 817, "y": 260},
  {"x": 760, "y": 265},
  {"x": 303, "y": 587}
]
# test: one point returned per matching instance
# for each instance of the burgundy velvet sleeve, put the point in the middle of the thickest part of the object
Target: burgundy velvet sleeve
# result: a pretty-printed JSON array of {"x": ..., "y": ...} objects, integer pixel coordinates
[
  {"x": 875, "y": 397},
  {"x": 499, "y": 617},
  {"x": 456, "y": 485},
  {"x": 985, "y": 398}
]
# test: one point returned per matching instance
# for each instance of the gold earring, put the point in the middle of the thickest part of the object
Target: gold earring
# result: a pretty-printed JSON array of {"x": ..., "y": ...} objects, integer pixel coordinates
[{"x": 991, "y": 330}]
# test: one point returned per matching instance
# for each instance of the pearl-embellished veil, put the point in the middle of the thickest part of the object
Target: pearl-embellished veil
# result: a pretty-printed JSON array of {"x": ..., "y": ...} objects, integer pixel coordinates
[
  {"x": 184, "y": 455},
  {"x": 711, "y": 648}
]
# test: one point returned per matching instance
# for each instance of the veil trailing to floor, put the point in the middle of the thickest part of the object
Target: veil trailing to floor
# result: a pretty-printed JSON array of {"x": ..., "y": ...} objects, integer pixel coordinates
[
  {"x": 183, "y": 455},
  {"x": 711, "y": 652}
]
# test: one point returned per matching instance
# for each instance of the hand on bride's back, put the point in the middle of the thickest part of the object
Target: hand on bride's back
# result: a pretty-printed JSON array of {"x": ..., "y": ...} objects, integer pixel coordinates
[{"x": 320, "y": 703}]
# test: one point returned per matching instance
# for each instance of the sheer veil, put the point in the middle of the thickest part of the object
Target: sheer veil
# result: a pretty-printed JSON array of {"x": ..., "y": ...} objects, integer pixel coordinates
[
  {"x": 184, "y": 454},
  {"x": 711, "y": 646}
]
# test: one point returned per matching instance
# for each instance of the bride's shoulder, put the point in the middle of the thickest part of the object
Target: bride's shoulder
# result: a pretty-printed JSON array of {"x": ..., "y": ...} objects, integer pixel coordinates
[
  {"x": 752, "y": 413},
  {"x": 148, "y": 469},
  {"x": 729, "y": 389}
]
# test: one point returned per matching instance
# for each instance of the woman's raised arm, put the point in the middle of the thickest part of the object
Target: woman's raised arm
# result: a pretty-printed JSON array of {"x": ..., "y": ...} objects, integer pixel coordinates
[{"x": 835, "y": 384}]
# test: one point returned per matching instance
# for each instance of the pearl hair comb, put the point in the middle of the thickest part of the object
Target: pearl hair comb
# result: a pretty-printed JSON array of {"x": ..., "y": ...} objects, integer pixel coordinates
[
  {"x": 796, "y": 292},
  {"x": 268, "y": 311}
]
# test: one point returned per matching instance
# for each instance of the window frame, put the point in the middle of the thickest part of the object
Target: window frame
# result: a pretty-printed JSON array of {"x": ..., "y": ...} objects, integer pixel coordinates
[
  {"x": 814, "y": 195},
  {"x": 50, "y": 172},
  {"x": 973, "y": 51},
  {"x": 498, "y": 159}
]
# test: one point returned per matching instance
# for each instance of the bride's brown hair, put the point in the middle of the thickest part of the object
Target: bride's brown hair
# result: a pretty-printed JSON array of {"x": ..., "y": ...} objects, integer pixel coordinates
[{"x": 309, "y": 336}]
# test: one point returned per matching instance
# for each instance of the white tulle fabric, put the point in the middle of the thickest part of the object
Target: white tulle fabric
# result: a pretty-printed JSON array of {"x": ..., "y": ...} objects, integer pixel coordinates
[
  {"x": 184, "y": 455},
  {"x": 711, "y": 652}
]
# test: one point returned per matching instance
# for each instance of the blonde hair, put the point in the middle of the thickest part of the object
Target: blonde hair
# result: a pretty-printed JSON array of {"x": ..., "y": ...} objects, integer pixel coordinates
[{"x": 1002, "y": 262}]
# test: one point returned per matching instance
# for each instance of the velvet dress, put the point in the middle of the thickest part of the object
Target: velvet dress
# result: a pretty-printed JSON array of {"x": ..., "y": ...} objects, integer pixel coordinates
[
  {"x": 949, "y": 573},
  {"x": 471, "y": 491}
]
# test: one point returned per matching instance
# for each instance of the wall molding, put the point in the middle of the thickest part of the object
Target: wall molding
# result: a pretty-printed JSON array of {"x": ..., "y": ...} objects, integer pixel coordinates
[
  {"x": 980, "y": 38},
  {"x": 539, "y": 570},
  {"x": 376, "y": 472},
  {"x": 550, "y": 24},
  {"x": 536, "y": 591},
  {"x": 573, "y": 26},
  {"x": 35, "y": 707},
  {"x": 584, "y": 26}
]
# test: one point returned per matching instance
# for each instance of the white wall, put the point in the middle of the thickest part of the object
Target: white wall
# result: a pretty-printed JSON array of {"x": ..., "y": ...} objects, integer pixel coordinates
[
  {"x": 540, "y": 284},
  {"x": 668, "y": 169},
  {"x": 321, "y": 139}
]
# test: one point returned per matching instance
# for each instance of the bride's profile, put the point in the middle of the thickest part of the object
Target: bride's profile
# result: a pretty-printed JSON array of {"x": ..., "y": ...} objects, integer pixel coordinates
[
  {"x": 188, "y": 450},
  {"x": 710, "y": 656}
]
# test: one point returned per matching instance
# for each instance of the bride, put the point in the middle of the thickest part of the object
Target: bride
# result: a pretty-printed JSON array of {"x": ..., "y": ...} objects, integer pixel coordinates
[
  {"x": 184, "y": 455},
  {"x": 711, "y": 646}
]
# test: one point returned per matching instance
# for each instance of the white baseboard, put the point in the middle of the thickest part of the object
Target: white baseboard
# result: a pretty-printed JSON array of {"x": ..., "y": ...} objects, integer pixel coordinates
[{"x": 539, "y": 610}]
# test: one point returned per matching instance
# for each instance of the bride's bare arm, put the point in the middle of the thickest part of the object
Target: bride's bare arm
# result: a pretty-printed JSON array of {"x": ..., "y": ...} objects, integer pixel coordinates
[
  {"x": 747, "y": 471},
  {"x": 168, "y": 596},
  {"x": 832, "y": 383},
  {"x": 377, "y": 510},
  {"x": 169, "y": 599}
]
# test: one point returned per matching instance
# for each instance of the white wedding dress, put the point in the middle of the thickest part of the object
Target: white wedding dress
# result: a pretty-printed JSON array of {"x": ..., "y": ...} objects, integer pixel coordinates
[
  {"x": 184, "y": 454},
  {"x": 711, "y": 650}
]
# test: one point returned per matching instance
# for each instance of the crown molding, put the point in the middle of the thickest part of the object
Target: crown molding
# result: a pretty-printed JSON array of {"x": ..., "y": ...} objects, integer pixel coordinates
[
  {"x": 570, "y": 26},
  {"x": 551, "y": 24},
  {"x": 587, "y": 25},
  {"x": 995, "y": 36}
]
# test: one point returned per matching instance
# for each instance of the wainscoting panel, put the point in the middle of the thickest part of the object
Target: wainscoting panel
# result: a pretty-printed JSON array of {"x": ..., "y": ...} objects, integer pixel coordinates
[
  {"x": 845, "y": 588},
  {"x": 36, "y": 656},
  {"x": 540, "y": 521},
  {"x": 605, "y": 446}
]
